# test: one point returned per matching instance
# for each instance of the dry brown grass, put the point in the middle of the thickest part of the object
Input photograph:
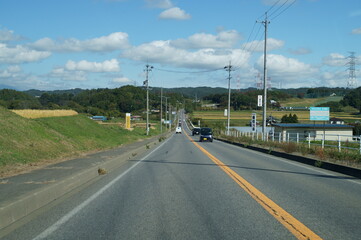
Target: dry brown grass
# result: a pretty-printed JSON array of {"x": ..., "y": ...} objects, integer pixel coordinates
[{"x": 33, "y": 113}]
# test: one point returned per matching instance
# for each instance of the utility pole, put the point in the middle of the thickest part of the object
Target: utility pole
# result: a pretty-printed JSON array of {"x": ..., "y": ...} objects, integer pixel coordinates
[
  {"x": 148, "y": 68},
  {"x": 265, "y": 23},
  {"x": 170, "y": 116},
  {"x": 166, "y": 106},
  {"x": 229, "y": 69},
  {"x": 161, "y": 109}
]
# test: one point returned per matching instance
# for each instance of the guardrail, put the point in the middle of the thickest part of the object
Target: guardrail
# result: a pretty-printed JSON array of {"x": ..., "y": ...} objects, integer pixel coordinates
[{"x": 324, "y": 140}]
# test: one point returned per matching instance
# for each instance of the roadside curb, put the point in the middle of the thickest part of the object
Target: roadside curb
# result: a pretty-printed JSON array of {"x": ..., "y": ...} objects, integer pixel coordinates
[
  {"x": 354, "y": 172},
  {"x": 30, "y": 202}
]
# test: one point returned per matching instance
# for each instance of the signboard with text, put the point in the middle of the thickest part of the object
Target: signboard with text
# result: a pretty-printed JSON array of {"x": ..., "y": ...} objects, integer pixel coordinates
[{"x": 319, "y": 113}]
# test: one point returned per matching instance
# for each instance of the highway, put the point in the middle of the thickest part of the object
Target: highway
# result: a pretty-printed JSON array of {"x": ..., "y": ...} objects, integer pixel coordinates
[{"x": 186, "y": 189}]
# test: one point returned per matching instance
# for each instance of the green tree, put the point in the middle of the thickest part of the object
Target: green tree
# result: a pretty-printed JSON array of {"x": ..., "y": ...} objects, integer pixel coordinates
[
  {"x": 289, "y": 119},
  {"x": 353, "y": 99}
]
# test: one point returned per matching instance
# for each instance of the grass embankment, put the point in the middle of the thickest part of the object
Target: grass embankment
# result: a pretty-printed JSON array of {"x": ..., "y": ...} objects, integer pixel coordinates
[{"x": 30, "y": 141}]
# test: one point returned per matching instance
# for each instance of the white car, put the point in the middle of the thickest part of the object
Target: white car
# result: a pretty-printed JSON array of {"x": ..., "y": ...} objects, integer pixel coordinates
[{"x": 178, "y": 130}]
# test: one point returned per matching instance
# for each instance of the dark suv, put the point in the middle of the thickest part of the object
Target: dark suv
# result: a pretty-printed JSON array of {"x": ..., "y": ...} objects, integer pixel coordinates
[
  {"x": 206, "y": 135},
  {"x": 196, "y": 131}
]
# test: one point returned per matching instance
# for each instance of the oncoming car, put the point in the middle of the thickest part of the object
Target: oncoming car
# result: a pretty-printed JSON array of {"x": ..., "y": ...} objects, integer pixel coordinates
[
  {"x": 206, "y": 135},
  {"x": 178, "y": 130},
  {"x": 196, "y": 131}
]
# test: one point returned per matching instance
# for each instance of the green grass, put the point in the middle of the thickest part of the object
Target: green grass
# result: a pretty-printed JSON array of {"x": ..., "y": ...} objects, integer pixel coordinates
[
  {"x": 25, "y": 141},
  {"x": 309, "y": 102}
]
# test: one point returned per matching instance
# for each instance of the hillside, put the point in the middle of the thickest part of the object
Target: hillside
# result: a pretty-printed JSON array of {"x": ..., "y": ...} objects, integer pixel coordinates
[
  {"x": 309, "y": 102},
  {"x": 29, "y": 141}
]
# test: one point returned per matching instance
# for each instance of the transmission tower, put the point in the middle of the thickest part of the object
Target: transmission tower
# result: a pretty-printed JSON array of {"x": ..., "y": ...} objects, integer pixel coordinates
[{"x": 351, "y": 83}]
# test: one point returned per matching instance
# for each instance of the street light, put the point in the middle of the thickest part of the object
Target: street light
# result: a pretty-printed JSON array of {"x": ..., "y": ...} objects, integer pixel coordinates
[{"x": 148, "y": 68}]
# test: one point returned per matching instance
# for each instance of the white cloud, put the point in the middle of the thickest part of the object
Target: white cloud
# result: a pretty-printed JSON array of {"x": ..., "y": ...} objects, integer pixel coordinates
[
  {"x": 113, "y": 41},
  {"x": 121, "y": 80},
  {"x": 63, "y": 74},
  {"x": 10, "y": 72},
  {"x": 174, "y": 13},
  {"x": 159, "y": 3},
  {"x": 106, "y": 66},
  {"x": 20, "y": 54},
  {"x": 162, "y": 52},
  {"x": 288, "y": 70},
  {"x": 224, "y": 39},
  {"x": 258, "y": 46},
  {"x": 356, "y": 31},
  {"x": 8, "y": 35},
  {"x": 334, "y": 60}
]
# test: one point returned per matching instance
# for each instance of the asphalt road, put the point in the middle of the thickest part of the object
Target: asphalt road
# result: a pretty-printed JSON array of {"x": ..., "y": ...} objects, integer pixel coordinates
[{"x": 185, "y": 189}]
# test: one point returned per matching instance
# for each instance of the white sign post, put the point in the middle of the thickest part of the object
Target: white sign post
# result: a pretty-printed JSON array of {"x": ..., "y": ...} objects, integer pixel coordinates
[{"x": 259, "y": 102}]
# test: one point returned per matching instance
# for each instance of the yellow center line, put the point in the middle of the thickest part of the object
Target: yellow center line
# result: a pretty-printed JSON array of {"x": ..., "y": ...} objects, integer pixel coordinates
[{"x": 298, "y": 229}]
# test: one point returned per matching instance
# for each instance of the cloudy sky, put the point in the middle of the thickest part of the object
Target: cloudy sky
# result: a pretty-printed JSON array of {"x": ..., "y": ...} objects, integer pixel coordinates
[{"x": 87, "y": 44}]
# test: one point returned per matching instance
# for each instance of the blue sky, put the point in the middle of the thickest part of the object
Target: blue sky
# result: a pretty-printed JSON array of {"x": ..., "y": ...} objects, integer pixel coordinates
[{"x": 49, "y": 44}]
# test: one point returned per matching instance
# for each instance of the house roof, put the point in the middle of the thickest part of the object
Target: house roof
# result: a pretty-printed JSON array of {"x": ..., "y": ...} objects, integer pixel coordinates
[{"x": 310, "y": 125}]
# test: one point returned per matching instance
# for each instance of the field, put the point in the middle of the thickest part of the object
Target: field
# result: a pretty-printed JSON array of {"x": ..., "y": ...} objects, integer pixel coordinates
[
  {"x": 33, "y": 113},
  {"x": 309, "y": 102},
  {"x": 242, "y": 118}
]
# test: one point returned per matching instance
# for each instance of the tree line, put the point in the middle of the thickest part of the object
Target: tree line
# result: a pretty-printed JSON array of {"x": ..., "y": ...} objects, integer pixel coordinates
[{"x": 116, "y": 102}]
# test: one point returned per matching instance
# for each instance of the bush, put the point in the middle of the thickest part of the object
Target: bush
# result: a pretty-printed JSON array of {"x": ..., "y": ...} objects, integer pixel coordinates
[{"x": 289, "y": 147}]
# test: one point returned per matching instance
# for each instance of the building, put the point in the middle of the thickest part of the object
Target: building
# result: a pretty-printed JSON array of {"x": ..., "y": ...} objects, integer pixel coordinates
[{"x": 292, "y": 131}]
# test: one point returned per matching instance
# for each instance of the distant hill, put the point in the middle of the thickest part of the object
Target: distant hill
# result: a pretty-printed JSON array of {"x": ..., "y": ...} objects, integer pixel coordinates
[
  {"x": 3, "y": 86},
  {"x": 37, "y": 93},
  {"x": 193, "y": 92}
]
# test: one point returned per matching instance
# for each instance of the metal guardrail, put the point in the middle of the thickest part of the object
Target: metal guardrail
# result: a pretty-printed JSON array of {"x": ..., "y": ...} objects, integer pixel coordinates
[{"x": 324, "y": 140}]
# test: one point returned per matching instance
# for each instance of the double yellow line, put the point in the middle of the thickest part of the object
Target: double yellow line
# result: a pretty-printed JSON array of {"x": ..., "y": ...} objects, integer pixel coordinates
[{"x": 298, "y": 229}]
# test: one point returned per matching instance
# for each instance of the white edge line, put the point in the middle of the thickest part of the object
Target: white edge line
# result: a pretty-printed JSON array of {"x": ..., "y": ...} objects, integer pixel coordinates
[{"x": 77, "y": 209}]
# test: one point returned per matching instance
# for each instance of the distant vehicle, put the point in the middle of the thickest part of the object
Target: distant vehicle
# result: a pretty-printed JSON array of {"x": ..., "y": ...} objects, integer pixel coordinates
[
  {"x": 196, "y": 131},
  {"x": 206, "y": 135},
  {"x": 178, "y": 130}
]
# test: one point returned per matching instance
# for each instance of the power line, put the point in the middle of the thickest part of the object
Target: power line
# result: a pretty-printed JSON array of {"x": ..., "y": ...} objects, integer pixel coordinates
[
  {"x": 284, "y": 9},
  {"x": 174, "y": 71}
]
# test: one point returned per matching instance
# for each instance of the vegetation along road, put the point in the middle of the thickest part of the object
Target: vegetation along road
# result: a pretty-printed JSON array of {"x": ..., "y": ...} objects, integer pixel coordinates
[{"x": 186, "y": 189}]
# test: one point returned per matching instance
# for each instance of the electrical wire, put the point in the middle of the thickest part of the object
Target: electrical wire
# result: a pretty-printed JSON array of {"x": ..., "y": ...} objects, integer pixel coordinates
[
  {"x": 174, "y": 71},
  {"x": 284, "y": 9}
]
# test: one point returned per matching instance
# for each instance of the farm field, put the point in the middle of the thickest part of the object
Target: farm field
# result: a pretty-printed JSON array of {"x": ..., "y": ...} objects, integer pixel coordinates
[
  {"x": 242, "y": 118},
  {"x": 309, "y": 102},
  {"x": 34, "y": 113}
]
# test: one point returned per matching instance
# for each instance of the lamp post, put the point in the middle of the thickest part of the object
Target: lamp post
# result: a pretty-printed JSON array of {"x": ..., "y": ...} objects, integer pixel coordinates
[{"x": 148, "y": 68}]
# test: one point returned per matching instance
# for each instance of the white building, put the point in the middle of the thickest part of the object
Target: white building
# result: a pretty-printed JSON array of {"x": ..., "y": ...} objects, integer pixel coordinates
[{"x": 333, "y": 132}]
